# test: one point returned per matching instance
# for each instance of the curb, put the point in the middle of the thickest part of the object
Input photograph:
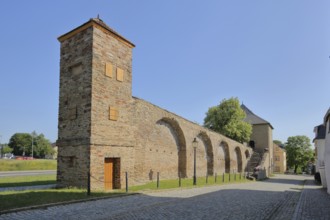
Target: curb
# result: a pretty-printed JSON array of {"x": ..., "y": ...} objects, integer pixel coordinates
[{"x": 299, "y": 202}]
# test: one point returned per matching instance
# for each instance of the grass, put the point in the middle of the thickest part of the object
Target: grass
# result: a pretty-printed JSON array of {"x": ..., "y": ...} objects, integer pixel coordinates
[
  {"x": 187, "y": 183},
  {"x": 18, "y": 199},
  {"x": 27, "y": 180},
  {"x": 20, "y": 165}
]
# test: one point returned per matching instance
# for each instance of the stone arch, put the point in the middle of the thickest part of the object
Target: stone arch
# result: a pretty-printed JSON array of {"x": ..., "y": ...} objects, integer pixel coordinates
[
  {"x": 247, "y": 154},
  {"x": 239, "y": 159},
  {"x": 209, "y": 151},
  {"x": 181, "y": 143},
  {"x": 225, "y": 148}
]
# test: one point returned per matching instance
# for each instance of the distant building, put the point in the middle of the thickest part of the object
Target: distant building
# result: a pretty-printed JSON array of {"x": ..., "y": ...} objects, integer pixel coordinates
[
  {"x": 261, "y": 140},
  {"x": 279, "y": 159},
  {"x": 319, "y": 143}
]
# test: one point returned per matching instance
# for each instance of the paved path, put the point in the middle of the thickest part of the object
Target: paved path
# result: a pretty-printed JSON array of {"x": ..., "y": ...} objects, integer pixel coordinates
[
  {"x": 276, "y": 198},
  {"x": 27, "y": 173}
]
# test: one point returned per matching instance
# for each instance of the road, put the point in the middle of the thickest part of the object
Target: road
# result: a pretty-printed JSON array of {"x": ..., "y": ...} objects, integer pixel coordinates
[
  {"x": 27, "y": 173},
  {"x": 281, "y": 197}
]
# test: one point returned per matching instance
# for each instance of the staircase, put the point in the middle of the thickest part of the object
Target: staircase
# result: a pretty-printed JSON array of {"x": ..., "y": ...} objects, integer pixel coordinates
[{"x": 253, "y": 162}]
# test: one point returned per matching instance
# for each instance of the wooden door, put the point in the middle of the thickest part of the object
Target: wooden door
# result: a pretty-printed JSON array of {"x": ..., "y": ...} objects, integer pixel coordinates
[{"x": 108, "y": 173}]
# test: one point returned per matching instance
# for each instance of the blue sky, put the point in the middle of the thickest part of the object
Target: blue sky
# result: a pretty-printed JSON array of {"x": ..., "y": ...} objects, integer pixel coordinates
[{"x": 189, "y": 55}]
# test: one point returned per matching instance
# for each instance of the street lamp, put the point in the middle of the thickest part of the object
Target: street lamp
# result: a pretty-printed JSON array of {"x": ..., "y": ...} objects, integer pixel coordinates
[
  {"x": 195, "y": 145},
  {"x": 32, "y": 134}
]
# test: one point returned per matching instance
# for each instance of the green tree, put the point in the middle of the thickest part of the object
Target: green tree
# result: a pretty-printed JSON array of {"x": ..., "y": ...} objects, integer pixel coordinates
[
  {"x": 42, "y": 146},
  {"x": 21, "y": 143},
  {"x": 298, "y": 151},
  {"x": 6, "y": 149},
  {"x": 227, "y": 119},
  {"x": 278, "y": 142}
]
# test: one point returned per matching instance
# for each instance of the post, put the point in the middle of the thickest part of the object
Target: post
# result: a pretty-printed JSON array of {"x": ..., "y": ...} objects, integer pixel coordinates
[
  {"x": 223, "y": 177},
  {"x": 179, "y": 179},
  {"x": 207, "y": 178},
  {"x": 229, "y": 175},
  {"x": 126, "y": 175},
  {"x": 234, "y": 176},
  {"x": 88, "y": 183},
  {"x": 157, "y": 180},
  {"x": 215, "y": 178},
  {"x": 194, "y": 183}
]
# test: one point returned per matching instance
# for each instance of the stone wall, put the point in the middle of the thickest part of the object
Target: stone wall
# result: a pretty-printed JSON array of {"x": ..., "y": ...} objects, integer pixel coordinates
[
  {"x": 100, "y": 121},
  {"x": 164, "y": 144}
]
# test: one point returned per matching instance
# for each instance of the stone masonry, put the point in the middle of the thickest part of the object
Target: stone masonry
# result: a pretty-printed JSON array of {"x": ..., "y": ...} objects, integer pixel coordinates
[{"x": 105, "y": 131}]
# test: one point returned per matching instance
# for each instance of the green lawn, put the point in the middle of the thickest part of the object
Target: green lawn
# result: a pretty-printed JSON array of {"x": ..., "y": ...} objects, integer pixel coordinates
[
  {"x": 17, "y": 199},
  {"x": 27, "y": 180},
  {"x": 19, "y": 165},
  {"x": 188, "y": 182}
]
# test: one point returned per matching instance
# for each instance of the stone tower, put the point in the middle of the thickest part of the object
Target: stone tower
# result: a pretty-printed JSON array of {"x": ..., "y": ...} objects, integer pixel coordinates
[{"x": 94, "y": 106}]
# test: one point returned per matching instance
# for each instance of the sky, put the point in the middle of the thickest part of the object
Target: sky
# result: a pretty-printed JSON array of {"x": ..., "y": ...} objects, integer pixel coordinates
[{"x": 189, "y": 55}]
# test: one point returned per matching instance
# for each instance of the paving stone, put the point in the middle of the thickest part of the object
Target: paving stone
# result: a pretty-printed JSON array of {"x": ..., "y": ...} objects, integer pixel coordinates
[{"x": 281, "y": 197}]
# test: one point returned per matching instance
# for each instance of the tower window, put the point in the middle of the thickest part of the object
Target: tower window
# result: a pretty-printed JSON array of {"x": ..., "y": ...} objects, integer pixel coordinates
[
  {"x": 113, "y": 114},
  {"x": 120, "y": 75},
  {"x": 108, "y": 70}
]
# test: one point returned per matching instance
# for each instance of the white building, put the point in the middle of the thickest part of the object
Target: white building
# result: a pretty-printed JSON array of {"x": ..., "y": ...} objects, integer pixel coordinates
[
  {"x": 319, "y": 143},
  {"x": 327, "y": 148}
]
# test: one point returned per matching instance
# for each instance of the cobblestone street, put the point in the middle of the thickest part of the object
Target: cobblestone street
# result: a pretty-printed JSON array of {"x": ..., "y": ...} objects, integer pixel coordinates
[{"x": 280, "y": 197}]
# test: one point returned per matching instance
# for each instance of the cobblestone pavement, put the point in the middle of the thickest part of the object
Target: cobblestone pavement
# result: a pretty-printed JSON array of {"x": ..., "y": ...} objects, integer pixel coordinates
[{"x": 276, "y": 198}]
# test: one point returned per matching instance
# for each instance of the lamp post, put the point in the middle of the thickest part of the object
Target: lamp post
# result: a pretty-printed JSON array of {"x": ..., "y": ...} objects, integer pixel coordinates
[
  {"x": 32, "y": 134},
  {"x": 195, "y": 145}
]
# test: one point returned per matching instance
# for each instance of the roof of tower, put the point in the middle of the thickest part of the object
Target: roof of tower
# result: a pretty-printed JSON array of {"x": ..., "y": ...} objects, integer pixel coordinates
[
  {"x": 96, "y": 22},
  {"x": 253, "y": 118}
]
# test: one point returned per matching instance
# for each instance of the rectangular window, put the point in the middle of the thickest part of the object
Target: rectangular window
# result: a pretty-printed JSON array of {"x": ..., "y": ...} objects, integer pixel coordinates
[
  {"x": 113, "y": 114},
  {"x": 120, "y": 75},
  {"x": 108, "y": 70}
]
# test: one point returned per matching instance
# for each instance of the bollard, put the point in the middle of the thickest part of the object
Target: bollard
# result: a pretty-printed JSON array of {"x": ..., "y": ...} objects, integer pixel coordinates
[
  {"x": 88, "y": 183},
  {"x": 126, "y": 175},
  {"x": 179, "y": 179},
  {"x": 157, "y": 180}
]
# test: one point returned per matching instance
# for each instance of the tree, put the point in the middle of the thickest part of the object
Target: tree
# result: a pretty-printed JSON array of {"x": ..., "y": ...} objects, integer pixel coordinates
[
  {"x": 227, "y": 119},
  {"x": 298, "y": 151},
  {"x": 42, "y": 146},
  {"x": 21, "y": 143},
  {"x": 279, "y": 143},
  {"x": 6, "y": 149}
]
